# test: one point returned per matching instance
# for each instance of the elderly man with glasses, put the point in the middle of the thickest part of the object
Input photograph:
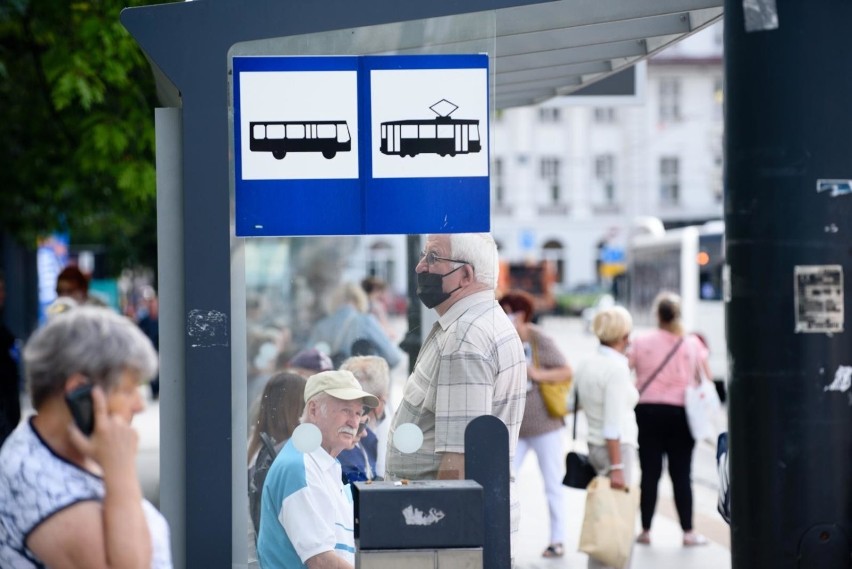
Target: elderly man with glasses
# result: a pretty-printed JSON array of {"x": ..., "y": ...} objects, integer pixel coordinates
[{"x": 472, "y": 363}]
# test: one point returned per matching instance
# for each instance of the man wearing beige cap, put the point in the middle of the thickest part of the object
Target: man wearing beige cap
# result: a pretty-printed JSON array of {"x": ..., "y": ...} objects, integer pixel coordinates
[{"x": 306, "y": 517}]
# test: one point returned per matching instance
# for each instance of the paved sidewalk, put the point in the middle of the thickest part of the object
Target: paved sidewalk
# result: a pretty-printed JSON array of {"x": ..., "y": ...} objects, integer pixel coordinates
[{"x": 666, "y": 551}]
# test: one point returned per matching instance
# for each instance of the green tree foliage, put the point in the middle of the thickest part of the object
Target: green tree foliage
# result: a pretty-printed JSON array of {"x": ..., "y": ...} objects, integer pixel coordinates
[{"x": 76, "y": 112}]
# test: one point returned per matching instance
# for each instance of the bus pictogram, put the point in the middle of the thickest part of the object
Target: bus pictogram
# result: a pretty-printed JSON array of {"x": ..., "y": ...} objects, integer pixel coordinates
[
  {"x": 442, "y": 135},
  {"x": 281, "y": 137}
]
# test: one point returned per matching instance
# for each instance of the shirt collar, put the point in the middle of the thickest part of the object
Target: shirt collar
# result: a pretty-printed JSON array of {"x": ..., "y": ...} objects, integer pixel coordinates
[
  {"x": 324, "y": 460},
  {"x": 462, "y": 305},
  {"x": 610, "y": 353}
]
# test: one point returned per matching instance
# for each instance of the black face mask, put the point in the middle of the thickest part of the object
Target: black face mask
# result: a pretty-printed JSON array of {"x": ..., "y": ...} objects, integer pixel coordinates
[{"x": 430, "y": 288}]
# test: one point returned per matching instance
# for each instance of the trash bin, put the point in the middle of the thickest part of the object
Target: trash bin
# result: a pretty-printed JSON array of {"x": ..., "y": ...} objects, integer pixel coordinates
[{"x": 425, "y": 523}]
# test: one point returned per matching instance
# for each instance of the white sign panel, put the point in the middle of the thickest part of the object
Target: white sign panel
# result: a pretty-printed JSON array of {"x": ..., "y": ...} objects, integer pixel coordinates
[
  {"x": 299, "y": 125},
  {"x": 429, "y": 123}
]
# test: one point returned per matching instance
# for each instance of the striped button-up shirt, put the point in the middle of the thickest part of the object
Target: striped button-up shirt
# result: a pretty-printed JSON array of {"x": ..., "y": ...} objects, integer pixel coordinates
[{"x": 471, "y": 364}]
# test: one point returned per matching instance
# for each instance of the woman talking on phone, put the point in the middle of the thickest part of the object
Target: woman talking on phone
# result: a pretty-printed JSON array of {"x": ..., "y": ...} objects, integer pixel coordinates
[{"x": 70, "y": 499}]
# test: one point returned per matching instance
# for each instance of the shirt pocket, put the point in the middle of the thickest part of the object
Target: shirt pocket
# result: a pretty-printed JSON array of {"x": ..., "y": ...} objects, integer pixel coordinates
[{"x": 413, "y": 393}]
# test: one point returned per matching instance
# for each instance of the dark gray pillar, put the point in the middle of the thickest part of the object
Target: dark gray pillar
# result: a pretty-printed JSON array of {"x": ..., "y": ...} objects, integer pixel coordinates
[{"x": 789, "y": 244}]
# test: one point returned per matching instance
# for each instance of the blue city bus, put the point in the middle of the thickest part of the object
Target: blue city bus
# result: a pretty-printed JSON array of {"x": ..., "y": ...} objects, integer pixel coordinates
[{"x": 281, "y": 137}]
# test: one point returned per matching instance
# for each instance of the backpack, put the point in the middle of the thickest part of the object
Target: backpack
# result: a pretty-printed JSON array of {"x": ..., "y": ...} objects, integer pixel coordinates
[{"x": 257, "y": 475}]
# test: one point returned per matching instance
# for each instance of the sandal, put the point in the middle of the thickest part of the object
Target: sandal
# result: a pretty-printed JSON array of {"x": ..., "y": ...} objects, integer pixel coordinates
[
  {"x": 645, "y": 538},
  {"x": 553, "y": 550},
  {"x": 691, "y": 539}
]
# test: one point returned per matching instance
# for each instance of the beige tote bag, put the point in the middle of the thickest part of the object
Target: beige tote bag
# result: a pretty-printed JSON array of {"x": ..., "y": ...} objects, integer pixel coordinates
[{"x": 609, "y": 522}]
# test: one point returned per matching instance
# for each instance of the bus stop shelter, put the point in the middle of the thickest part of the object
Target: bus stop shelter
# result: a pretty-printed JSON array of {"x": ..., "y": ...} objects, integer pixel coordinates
[{"x": 538, "y": 50}]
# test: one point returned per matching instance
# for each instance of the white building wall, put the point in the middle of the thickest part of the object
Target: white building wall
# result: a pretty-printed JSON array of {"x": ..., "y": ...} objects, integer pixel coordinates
[{"x": 637, "y": 139}]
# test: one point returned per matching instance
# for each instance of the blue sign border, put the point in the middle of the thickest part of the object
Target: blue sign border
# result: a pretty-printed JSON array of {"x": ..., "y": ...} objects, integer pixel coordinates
[{"x": 358, "y": 206}]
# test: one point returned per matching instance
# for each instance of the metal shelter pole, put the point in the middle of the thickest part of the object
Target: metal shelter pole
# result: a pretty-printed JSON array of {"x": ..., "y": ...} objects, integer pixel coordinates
[{"x": 788, "y": 209}]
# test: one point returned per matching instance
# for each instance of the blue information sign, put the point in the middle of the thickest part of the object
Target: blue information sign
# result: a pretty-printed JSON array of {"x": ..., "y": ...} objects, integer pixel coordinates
[{"x": 361, "y": 144}]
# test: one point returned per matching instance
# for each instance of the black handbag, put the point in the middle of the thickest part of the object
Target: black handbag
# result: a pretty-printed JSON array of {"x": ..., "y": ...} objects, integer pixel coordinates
[{"x": 578, "y": 470}]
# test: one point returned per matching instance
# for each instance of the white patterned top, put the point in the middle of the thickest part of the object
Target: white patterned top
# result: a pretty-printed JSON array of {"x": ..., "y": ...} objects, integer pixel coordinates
[{"x": 36, "y": 483}]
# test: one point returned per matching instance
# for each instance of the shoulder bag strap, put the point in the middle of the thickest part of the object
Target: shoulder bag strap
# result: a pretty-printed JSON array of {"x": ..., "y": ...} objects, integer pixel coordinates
[
  {"x": 661, "y": 366},
  {"x": 534, "y": 350},
  {"x": 576, "y": 410}
]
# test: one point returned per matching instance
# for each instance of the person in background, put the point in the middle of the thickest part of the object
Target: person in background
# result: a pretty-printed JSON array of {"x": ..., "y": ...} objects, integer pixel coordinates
[
  {"x": 73, "y": 283},
  {"x": 377, "y": 291},
  {"x": 307, "y": 516},
  {"x": 362, "y": 460},
  {"x": 150, "y": 324},
  {"x": 666, "y": 360},
  {"x": 71, "y": 500},
  {"x": 10, "y": 397},
  {"x": 471, "y": 364},
  {"x": 308, "y": 362},
  {"x": 605, "y": 390},
  {"x": 279, "y": 410},
  {"x": 348, "y": 323},
  {"x": 540, "y": 432}
]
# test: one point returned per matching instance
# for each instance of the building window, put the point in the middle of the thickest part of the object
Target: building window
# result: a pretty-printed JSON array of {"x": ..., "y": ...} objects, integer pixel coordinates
[
  {"x": 380, "y": 261},
  {"x": 604, "y": 115},
  {"x": 669, "y": 99},
  {"x": 548, "y": 114},
  {"x": 549, "y": 173},
  {"x": 669, "y": 181},
  {"x": 497, "y": 179},
  {"x": 605, "y": 177},
  {"x": 718, "y": 188},
  {"x": 554, "y": 253}
]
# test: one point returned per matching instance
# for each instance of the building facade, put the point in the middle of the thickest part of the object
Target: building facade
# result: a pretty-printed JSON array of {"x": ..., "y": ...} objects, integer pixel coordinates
[{"x": 570, "y": 177}]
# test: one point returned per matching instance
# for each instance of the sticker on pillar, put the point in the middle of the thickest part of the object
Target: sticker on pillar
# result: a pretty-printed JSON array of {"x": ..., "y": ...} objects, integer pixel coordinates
[
  {"x": 299, "y": 125},
  {"x": 429, "y": 123},
  {"x": 834, "y": 188},
  {"x": 819, "y": 298}
]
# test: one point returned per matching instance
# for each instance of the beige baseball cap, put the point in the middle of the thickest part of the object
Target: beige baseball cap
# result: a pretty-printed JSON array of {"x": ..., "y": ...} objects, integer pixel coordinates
[{"x": 340, "y": 384}]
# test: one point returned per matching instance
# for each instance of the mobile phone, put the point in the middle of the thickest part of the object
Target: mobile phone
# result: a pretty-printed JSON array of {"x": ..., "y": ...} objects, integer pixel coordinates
[{"x": 82, "y": 409}]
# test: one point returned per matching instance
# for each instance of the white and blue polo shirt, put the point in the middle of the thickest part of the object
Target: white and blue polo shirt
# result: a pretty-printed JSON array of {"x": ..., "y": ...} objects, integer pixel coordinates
[{"x": 305, "y": 510}]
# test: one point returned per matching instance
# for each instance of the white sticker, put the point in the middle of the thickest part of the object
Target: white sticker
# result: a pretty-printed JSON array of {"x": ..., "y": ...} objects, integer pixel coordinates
[
  {"x": 416, "y": 517},
  {"x": 726, "y": 282},
  {"x": 819, "y": 298},
  {"x": 842, "y": 380}
]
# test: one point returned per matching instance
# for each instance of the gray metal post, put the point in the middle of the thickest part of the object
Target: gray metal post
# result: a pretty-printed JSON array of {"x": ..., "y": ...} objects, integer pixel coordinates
[{"x": 170, "y": 274}]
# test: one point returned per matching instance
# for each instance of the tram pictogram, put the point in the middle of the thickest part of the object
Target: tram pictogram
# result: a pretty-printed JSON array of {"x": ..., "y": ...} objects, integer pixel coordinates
[{"x": 442, "y": 135}]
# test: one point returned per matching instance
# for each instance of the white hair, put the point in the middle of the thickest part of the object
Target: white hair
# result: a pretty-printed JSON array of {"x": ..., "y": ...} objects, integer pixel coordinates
[
  {"x": 480, "y": 251},
  {"x": 372, "y": 372},
  {"x": 322, "y": 398},
  {"x": 612, "y": 324}
]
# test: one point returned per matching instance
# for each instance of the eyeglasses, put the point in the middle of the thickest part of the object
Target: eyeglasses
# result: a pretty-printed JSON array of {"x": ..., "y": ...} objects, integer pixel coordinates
[
  {"x": 431, "y": 258},
  {"x": 362, "y": 426}
]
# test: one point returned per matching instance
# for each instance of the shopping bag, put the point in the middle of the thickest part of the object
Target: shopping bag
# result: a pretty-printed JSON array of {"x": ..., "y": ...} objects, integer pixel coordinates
[
  {"x": 702, "y": 406},
  {"x": 609, "y": 522},
  {"x": 578, "y": 470}
]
